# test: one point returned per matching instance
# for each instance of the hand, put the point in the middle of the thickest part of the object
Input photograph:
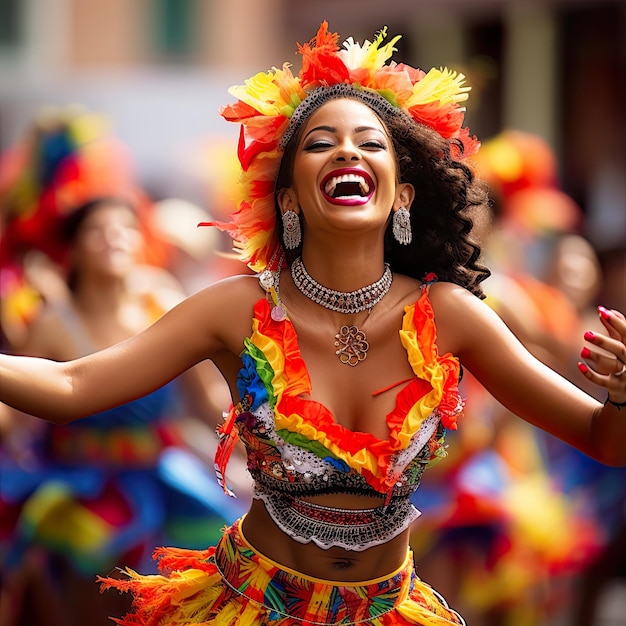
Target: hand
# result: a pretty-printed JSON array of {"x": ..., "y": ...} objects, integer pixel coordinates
[{"x": 606, "y": 366}]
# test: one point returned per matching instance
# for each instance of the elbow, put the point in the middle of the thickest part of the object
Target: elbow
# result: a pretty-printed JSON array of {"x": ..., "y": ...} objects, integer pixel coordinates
[
  {"x": 68, "y": 412},
  {"x": 609, "y": 451},
  {"x": 613, "y": 458}
]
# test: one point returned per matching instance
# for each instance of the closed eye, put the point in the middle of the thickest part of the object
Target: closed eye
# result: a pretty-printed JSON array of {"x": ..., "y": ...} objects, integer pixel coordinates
[
  {"x": 373, "y": 144},
  {"x": 317, "y": 145}
]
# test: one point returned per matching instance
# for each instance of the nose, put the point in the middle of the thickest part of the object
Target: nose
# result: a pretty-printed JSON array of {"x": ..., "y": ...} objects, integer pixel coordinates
[
  {"x": 347, "y": 151},
  {"x": 115, "y": 233},
  {"x": 111, "y": 232}
]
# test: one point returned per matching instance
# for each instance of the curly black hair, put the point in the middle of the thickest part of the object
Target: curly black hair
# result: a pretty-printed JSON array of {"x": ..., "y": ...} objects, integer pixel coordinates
[{"x": 448, "y": 201}]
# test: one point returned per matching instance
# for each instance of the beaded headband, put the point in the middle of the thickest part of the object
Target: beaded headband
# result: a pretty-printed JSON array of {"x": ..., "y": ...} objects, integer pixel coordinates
[
  {"x": 272, "y": 106},
  {"x": 322, "y": 95}
]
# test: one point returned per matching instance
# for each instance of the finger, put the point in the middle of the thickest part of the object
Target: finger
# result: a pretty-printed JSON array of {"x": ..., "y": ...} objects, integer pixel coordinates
[
  {"x": 614, "y": 321},
  {"x": 608, "y": 382},
  {"x": 593, "y": 376},
  {"x": 614, "y": 346},
  {"x": 602, "y": 362}
]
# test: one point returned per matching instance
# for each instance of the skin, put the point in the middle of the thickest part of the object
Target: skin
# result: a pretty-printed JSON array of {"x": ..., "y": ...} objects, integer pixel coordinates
[{"x": 343, "y": 249}]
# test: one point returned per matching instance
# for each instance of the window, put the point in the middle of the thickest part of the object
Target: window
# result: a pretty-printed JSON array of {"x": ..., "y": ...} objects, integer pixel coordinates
[
  {"x": 174, "y": 30},
  {"x": 10, "y": 23}
]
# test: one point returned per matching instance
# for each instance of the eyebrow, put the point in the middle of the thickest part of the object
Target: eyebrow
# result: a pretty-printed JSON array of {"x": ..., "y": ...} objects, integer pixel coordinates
[{"x": 333, "y": 129}]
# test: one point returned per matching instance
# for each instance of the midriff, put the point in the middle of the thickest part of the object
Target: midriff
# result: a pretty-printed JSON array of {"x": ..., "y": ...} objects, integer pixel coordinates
[{"x": 336, "y": 564}]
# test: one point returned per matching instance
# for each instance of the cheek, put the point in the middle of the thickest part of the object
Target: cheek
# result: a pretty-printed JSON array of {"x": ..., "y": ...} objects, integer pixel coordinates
[
  {"x": 387, "y": 192},
  {"x": 90, "y": 244},
  {"x": 134, "y": 240},
  {"x": 305, "y": 172},
  {"x": 386, "y": 172},
  {"x": 305, "y": 188}
]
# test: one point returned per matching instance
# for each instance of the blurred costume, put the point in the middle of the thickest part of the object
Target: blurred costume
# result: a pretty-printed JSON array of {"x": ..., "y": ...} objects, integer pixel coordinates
[
  {"x": 67, "y": 158},
  {"x": 105, "y": 490}
]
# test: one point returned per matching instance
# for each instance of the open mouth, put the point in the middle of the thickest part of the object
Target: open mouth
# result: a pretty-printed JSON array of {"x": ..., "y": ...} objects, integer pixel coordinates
[{"x": 352, "y": 186}]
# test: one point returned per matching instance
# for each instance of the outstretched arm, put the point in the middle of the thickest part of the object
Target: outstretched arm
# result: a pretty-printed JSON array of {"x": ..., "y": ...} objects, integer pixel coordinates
[
  {"x": 532, "y": 390},
  {"x": 63, "y": 391}
]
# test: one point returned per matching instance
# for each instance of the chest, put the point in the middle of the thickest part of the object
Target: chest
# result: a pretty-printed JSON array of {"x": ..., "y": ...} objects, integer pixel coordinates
[
  {"x": 373, "y": 417},
  {"x": 358, "y": 396}
]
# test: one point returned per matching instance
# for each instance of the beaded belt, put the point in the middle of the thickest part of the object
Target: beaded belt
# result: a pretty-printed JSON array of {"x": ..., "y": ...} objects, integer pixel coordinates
[{"x": 350, "y": 529}]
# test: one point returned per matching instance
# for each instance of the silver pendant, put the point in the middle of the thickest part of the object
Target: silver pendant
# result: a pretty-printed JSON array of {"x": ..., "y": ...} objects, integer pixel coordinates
[{"x": 351, "y": 344}]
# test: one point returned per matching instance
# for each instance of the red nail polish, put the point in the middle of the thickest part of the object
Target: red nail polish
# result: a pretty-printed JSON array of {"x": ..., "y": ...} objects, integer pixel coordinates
[
  {"x": 589, "y": 335},
  {"x": 585, "y": 353},
  {"x": 604, "y": 313},
  {"x": 583, "y": 368}
]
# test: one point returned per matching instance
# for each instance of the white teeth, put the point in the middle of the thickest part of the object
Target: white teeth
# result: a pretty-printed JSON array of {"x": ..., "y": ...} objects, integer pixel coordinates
[{"x": 331, "y": 185}]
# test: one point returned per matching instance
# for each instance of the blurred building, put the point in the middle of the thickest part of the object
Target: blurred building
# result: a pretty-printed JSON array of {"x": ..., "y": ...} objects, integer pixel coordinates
[{"x": 161, "y": 69}]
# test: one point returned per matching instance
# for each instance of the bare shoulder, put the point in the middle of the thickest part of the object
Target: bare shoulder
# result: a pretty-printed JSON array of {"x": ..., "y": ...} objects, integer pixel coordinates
[
  {"x": 446, "y": 295},
  {"x": 443, "y": 295},
  {"x": 461, "y": 317},
  {"x": 243, "y": 289},
  {"x": 222, "y": 310},
  {"x": 48, "y": 337}
]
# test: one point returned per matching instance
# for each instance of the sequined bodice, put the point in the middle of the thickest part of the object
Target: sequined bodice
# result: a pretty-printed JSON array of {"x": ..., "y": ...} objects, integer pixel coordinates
[
  {"x": 279, "y": 466},
  {"x": 296, "y": 447}
]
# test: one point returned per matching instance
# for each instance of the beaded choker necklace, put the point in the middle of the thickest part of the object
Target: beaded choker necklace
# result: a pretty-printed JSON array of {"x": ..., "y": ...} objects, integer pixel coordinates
[{"x": 350, "y": 342}]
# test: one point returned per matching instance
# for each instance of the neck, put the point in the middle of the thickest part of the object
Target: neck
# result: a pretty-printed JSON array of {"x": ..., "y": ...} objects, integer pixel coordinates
[
  {"x": 345, "y": 302},
  {"x": 347, "y": 268}
]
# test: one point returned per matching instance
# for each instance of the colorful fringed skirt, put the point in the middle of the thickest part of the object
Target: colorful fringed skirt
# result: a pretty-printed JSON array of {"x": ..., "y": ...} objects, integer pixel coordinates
[{"x": 234, "y": 585}]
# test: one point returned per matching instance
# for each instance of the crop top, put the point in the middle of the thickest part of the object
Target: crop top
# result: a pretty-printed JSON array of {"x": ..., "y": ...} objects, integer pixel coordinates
[{"x": 295, "y": 447}]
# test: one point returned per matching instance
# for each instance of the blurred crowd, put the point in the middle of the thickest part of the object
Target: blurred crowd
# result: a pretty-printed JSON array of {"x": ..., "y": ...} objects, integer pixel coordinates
[{"x": 531, "y": 531}]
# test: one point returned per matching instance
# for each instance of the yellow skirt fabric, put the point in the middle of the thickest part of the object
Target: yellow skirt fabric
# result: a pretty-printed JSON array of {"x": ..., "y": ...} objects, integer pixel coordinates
[{"x": 232, "y": 584}]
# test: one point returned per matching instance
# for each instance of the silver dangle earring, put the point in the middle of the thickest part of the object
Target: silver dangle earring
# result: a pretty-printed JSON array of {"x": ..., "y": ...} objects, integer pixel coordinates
[
  {"x": 401, "y": 226},
  {"x": 292, "y": 234}
]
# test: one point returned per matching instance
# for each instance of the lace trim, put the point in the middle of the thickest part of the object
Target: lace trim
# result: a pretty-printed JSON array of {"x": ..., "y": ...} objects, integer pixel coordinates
[
  {"x": 419, "y": 441},
  {"x": 327, "y": 527}
]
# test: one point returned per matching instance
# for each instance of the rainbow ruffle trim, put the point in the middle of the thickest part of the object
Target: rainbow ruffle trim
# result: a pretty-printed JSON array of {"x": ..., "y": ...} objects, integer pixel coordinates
[{"x": 275, "y": 372}]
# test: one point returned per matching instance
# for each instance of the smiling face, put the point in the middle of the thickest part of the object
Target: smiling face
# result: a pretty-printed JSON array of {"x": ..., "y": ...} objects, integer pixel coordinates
[{"x": 344, "y": 171}]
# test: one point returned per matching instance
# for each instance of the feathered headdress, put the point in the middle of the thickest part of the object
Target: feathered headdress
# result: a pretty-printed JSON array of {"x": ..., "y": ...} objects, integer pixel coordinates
[{"x": 267, "y": 101}]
